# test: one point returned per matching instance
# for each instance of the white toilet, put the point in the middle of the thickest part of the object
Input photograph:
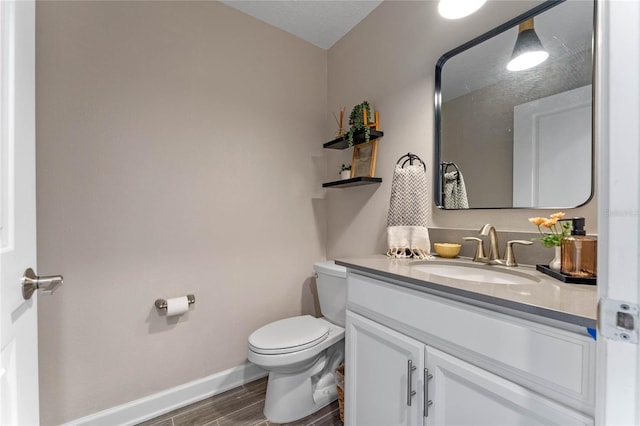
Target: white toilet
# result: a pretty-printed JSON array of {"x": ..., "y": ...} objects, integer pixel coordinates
[{"x": 302, "y": 353}]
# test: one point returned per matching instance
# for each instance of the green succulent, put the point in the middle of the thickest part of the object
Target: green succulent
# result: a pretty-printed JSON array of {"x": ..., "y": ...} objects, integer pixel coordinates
[
  {"x": 345, "y": 167},
  {"x": 356, "y": 122}
]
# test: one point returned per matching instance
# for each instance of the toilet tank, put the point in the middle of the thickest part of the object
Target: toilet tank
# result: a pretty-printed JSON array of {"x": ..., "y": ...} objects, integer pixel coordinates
[{"x": 332, "y": 291}]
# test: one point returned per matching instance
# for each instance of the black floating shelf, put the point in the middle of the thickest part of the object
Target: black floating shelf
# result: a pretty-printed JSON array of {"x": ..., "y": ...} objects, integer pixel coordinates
[
  {"x": 356, "y": 181},
  {"x": 358, "y": 138}
]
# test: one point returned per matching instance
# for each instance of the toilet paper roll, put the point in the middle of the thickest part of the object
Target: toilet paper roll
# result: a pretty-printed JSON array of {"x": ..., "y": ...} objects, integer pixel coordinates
[{"x": 177, "y": 306}]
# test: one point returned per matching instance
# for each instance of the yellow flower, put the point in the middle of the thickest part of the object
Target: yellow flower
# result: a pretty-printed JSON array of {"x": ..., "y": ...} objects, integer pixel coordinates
[
  {"x": 556, "y": 232},
  {"x": 537, "y": 220}
]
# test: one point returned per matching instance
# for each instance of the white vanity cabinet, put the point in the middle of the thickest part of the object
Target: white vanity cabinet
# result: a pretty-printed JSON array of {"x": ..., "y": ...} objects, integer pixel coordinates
[
  {"x": 468, "y": 395},
  {"x": 419, "y": 359},
  {"x": 386, "y": 372}
]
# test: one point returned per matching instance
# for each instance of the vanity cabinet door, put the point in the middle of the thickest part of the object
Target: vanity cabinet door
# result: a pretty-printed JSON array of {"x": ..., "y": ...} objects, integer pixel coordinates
[
  {"x": 463, "y": 394},
  {"x": 383, "y": 369}
]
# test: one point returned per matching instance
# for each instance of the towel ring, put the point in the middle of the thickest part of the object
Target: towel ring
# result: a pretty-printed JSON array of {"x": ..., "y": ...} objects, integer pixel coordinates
[
  {"x": 445, "y": 166},
  {"x": 410, "y": 158}
]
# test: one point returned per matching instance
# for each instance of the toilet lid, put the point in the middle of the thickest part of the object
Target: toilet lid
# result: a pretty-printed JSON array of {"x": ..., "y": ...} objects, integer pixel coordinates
[{"x": 288, "y": 335}]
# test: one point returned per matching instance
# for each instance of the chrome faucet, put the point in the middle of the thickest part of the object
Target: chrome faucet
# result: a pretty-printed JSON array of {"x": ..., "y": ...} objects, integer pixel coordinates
[{"x": 494, "y": 251}]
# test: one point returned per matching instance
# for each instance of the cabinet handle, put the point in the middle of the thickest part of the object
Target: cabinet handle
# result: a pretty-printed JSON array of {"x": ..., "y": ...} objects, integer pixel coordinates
[
  {"x": 427, "y": 401},
  {"x": 410, "y": 392}
]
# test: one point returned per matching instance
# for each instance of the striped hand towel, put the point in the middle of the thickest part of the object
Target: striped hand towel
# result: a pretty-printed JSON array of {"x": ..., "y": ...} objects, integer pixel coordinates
[{"x": 407, "y": 233}]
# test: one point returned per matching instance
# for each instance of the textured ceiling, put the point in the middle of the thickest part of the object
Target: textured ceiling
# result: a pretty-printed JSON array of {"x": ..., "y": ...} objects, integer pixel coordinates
[
  {"x": 564, "y": 30},
  {"x": 320, "y": 22}
]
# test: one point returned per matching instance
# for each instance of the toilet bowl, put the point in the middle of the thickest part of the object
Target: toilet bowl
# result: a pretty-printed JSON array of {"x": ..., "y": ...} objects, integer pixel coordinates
[{"x": 302, "y": 353}]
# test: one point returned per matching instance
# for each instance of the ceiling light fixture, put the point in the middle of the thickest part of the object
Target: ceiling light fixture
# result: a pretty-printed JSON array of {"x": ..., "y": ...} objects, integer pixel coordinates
[
  {"x": 455, "y": 9},
  {"x": 528, "y": 51}
]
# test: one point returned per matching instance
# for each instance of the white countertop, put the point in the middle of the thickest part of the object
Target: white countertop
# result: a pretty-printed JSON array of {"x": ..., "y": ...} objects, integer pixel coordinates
[{"x": 546, "y": 297}]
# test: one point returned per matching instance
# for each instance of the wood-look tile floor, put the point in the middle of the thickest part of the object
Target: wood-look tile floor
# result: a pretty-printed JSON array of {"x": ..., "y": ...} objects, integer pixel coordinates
[{"x": 239, "y": 406}]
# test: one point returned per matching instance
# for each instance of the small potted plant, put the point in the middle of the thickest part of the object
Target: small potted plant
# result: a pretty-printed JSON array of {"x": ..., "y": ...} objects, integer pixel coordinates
[
  {"x": 356, "y": 121},
  {"x": 552, "y": 238},
  {"x": 345, "y": 171}
]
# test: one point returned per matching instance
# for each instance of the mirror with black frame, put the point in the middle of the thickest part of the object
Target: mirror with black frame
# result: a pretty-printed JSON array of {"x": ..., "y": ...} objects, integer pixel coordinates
[{"x": 512, "y": 134}]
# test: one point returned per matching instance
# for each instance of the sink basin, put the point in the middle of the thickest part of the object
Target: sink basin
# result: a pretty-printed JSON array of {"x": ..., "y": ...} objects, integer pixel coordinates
[{"x": 475, "y": 273}]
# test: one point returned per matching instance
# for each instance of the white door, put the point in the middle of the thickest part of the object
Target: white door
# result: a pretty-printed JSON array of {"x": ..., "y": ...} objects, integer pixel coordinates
[
  {"x": 552, "y": 143},
  {"x": 463, "y": 394},
  {"x": 618, "y": 381},
  {"x": 18, "y": 318},
  {"x": 383, "y": 369}
]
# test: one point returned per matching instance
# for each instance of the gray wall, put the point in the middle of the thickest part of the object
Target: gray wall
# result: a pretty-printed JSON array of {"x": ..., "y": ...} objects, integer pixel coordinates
[{"x": 179, "y": 150}]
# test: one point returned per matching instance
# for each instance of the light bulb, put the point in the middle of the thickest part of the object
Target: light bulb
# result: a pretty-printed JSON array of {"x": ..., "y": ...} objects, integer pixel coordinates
[
  {"x": 455, "y": 9},
  {"x": 527, "y": 60}
]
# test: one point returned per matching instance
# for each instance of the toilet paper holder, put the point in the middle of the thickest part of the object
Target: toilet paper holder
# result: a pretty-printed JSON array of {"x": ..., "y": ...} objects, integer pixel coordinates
[{"x": 162, "y": 303}]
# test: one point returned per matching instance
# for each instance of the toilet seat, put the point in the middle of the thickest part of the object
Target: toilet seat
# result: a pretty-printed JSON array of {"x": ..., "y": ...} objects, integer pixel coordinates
[{"x": 288, "y": 335}]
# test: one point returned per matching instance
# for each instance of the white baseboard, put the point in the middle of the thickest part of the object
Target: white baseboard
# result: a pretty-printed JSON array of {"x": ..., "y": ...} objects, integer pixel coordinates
[{"x": 162, "y": 402}]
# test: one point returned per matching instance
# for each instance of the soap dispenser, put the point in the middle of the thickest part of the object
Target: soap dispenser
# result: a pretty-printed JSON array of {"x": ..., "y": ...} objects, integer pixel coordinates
[{"x": 579, "y": 252}]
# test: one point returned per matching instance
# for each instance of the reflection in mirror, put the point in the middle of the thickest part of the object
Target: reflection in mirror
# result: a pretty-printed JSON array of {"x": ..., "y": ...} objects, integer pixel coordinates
[{"x": 518, "y": 139}]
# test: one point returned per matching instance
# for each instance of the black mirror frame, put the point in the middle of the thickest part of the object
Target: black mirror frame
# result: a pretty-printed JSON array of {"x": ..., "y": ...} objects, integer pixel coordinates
[{"x": 437, "y": 178}]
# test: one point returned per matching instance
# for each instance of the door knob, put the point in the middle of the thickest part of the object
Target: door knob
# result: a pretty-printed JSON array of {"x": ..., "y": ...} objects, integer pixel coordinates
[{"x": 31, "y": 282}]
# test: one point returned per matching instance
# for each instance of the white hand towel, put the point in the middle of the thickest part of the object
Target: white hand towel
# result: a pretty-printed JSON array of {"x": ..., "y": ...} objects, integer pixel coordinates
[{"x": 407, "y": 233}]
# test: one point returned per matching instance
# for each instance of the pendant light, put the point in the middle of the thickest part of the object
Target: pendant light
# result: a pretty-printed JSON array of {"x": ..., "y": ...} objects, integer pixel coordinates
[
  {"x": 528, "y": 51},
  {"x": 455, "y": 9}
]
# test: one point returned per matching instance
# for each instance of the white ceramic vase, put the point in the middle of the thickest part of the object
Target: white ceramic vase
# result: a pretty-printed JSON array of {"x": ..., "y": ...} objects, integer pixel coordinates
[
  {"x": 345, "y": 174},
  {"x": 556, "y": 262}
]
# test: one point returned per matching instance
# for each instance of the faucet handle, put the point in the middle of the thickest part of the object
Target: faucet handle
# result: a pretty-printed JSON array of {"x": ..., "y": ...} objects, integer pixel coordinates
[
  {"x": 509, "y": 256},
  {"x": 479, "y": 255}
]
